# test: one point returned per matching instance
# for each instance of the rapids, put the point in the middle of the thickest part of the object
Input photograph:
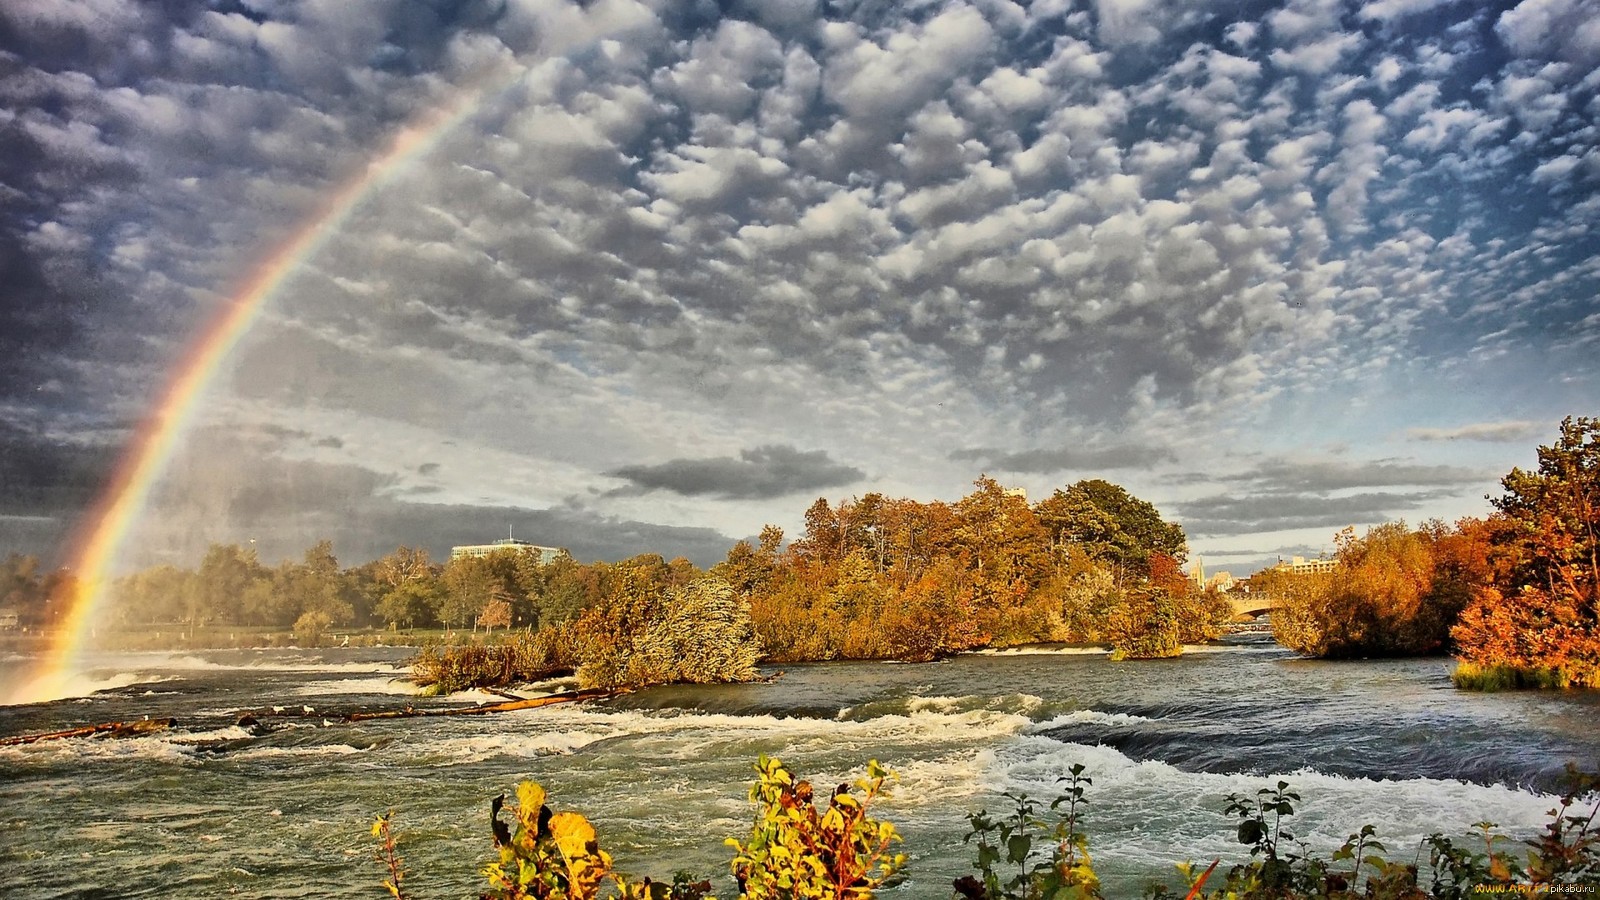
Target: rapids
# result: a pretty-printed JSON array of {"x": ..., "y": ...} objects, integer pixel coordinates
[{"x": 211, "y": 810}]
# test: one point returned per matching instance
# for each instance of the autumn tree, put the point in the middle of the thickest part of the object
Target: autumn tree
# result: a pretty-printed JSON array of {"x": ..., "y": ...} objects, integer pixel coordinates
[{"x": 1537, "y": 621}]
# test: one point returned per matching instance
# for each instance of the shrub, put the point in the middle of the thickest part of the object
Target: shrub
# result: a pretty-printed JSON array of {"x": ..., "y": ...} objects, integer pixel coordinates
[
  {"x": 447, "y": 668},
  {"x": 1065, "y": 873},
  {"x": 1144, "y": 626},
  {"x": 795, "y": 852}
]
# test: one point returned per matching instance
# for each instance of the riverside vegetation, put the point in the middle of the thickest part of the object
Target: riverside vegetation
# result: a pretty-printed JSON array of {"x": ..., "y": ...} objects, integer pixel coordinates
[
  {"x": 1515, "y": 595},
  {"x": 1032, "y": 851}
]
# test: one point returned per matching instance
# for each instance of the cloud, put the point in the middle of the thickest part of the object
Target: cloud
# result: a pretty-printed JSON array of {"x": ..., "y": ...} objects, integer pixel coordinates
[
  {"x": 1282, "y": 474},
  {"x": 900, "y": 228},
  {"x": 757, "y": 474},
  {"x": 1228, "y": 514},
  {"x": 1514, "y": 431},
  {"x": 1568, "y": 30},
  {"x": 1047, "y": 460},
  {"x": 285, "y": 505}
]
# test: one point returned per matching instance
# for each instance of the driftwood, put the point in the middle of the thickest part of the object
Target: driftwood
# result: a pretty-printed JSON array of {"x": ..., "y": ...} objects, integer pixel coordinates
[
  {"x": 135, "y": 728},
  {"x": 508, "y": 706},
  {"x": 259, "y": 723}
]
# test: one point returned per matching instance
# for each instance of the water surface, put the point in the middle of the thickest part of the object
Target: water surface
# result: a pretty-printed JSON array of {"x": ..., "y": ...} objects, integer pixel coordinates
[{"x": 210, "y": 810}]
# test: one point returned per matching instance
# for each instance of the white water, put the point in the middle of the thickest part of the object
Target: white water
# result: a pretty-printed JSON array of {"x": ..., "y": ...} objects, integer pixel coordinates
[{"x": 219, "y": 809}]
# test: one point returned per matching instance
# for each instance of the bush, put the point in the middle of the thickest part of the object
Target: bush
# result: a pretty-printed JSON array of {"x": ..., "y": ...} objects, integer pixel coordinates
[
  {"x": 447, "y": 668},
  {"x": 700, "y": 632},
  {"x": 1144, "y": 626},
  {"x": 795, "y": 852}
]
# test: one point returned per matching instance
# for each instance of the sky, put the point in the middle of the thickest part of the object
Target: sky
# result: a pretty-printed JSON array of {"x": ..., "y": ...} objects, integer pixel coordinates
[{"x": 682, "y": 268}]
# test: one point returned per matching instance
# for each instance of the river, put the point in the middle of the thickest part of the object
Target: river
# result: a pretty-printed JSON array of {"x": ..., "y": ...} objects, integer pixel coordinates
[{"x": 210, "y": 811}]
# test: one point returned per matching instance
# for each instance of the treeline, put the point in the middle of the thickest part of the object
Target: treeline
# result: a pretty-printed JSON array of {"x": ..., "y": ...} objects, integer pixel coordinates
[
  {"x": 404, "y": 589},
  {"x": 1515, "y": 595},
  {"x": 38, "y": 597},
  {"x": 875, "y": 577},
  {"x": 871, "y": 577}
]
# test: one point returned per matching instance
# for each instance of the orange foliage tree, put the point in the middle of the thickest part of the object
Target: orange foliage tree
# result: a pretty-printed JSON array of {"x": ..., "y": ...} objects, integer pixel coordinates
[{"x": 1538, "y": 620}]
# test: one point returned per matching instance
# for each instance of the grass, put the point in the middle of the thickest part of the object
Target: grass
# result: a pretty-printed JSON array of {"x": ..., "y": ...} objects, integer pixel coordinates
[{"x": 1473, "y": 677}]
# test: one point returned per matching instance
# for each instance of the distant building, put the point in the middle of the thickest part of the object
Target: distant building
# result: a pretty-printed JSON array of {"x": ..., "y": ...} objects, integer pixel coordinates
[
  {"x": 1222, "y": 581},
  {"x": 467, "y": 551},
  {"x": 9, "y": 620},
  {"x": 1299, "y": 565}
]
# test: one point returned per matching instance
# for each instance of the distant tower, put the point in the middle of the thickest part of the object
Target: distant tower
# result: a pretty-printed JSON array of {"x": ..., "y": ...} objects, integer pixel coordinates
[{"x": 1197, "y": 573}]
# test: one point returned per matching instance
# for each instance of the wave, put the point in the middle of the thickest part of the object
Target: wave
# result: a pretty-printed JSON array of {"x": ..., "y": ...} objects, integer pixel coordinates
[
  {"x": 1332, "y": 806},
  {"x": 385, "y": 686},
  {"x": 79, "y": 686},
  {"x": 1090, "y": 717}
]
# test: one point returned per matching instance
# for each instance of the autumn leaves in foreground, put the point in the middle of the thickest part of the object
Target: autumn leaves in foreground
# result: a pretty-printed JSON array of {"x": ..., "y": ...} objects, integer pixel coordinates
[{"x": 798, "y": 850}]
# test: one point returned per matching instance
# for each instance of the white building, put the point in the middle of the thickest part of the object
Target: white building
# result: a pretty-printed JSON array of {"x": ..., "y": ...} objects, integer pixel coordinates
[{"x": 466, "y": 551}]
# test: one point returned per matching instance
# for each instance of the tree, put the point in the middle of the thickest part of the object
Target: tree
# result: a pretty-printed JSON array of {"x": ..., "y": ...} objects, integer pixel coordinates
[
  {"x": 1538, "y": 620},
  {"x": 1112, "y": 526},
  {"x": 411, "y": 603},
  {"x": 496, "y": 614},
  {"x": 401, "y": 565},
  {"x": 226, "y": 573}
]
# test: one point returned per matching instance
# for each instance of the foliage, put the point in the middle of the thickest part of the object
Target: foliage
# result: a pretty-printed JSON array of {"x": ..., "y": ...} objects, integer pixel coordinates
[
  {"x": 878, "y": 577},
  {"x": 1064, "y": 872},
  {"x": 521, "y": 658},
  {"x": 311, "y": 626},
  {"x": 703, "y": 634},
  {"x": 389, "y": 855},
  {"x": 1144, "y": 626},
  {"x": 1540, "y": 611},
  {"x": 1394, "y": 592},
  {"x": 795, "y": 852},
  {"x": 39, "y": 598},
  {"x": 547, "y": 856}
]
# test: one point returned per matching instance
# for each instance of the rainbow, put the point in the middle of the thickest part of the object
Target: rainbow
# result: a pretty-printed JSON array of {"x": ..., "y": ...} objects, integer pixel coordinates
[{"x": 146, "y": 457}]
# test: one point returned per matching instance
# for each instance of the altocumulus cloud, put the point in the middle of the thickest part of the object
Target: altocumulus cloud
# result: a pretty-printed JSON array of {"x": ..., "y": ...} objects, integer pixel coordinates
[
  {"x": 1062, "y": 234},
  {"x": 757, "y": 474},
  {"x": 1045, "y": 461}
]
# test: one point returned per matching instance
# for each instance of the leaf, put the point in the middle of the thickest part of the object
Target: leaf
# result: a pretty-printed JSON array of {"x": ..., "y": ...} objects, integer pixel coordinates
[
  {"x": 530, "y": 796},
  {"x": 1018, "y": 846},
  {"x": 573, "y": 834},
  {"x": 1250, "y": 831}
]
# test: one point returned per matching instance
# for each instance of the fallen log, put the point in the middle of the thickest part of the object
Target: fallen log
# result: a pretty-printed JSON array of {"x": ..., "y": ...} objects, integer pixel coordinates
[
  {"x": 259, "y": 723},
  {"x": 135, "y": 728},
  {"x": 411, "y": 712}
]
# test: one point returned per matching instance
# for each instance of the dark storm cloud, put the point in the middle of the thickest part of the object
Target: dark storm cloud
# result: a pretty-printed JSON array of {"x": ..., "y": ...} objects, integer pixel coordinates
[
  {"x": 1226, "y": 514},
  {"x": 757, "y": 474},
  {"x": 1045, "y": 461},
  {"x": 41, "y": 477}
]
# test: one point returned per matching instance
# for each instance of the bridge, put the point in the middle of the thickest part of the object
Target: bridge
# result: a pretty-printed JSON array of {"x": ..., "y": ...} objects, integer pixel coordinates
[{"x": 1248, "y": 606}]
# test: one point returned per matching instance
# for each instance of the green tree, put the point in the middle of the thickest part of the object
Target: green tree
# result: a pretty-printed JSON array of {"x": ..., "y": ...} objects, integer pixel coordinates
[
  {"x": 226, "y": 573},
  {"x": 1113, "y": 526},
  {"x": 411, "y": 604}
]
